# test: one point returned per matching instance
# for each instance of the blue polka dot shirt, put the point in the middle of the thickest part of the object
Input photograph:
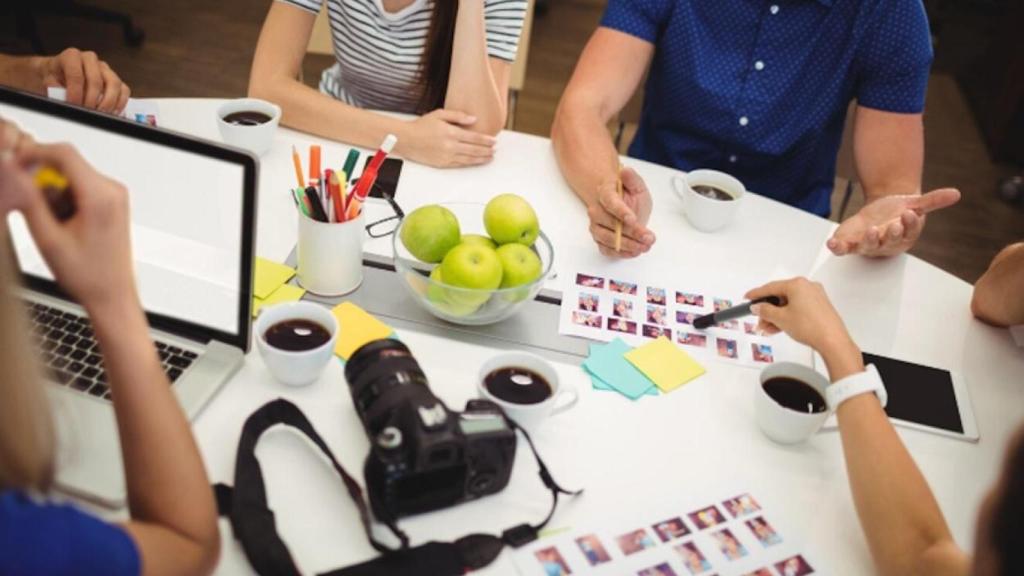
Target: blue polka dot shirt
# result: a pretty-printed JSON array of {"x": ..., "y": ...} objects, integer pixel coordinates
[{"x": 760, "y": 88}]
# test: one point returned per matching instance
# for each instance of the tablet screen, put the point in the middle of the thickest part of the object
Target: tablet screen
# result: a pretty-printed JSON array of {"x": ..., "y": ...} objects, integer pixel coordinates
[{"x": 918, "y": 394}]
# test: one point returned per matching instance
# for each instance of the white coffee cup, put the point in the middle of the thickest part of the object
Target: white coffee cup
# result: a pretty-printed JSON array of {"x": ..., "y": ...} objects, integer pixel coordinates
[
  {"x": 781, "y": 424},
  {"x": 296, "y": 368},
  {"x": 708, "y": 214},
  {"x": 258, "y": 138},
  {"x": 529, "y": 416}
]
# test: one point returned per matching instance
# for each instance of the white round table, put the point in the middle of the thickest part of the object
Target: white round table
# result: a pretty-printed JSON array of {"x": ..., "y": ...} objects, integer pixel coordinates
[{"x": 633, "y": 458}]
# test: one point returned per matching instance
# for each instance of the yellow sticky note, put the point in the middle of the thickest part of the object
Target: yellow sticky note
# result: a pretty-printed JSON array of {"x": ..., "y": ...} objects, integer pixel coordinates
[
  {"x": 269, "y": 276},
  {"x": 286, "y": 293},
  {"x": 355, "y": 328},
  {"x": 664, "y": 364}
]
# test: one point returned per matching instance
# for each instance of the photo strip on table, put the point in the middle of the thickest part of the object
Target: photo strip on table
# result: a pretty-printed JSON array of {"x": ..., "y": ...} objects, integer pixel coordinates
[
  {"x": 731, "y": 537},
  {"x": 603, "y": 308}
]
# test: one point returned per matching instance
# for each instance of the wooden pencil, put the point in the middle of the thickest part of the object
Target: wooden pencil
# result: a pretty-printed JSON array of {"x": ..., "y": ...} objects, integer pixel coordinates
[{"x": 618, "y": 223}]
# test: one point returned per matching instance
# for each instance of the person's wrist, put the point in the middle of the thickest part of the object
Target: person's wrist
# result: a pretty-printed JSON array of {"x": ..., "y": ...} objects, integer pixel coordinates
[
  {"x": 842, "y": 356},
  {"x": 110, "y": 313}
]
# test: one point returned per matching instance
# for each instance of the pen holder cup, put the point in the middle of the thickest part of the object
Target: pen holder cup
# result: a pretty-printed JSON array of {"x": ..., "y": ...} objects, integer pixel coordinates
[{"x": 330, "y": 256}]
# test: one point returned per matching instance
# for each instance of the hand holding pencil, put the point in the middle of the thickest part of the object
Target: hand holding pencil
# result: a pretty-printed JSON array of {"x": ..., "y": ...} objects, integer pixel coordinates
[{"x": 629, "y": 209}]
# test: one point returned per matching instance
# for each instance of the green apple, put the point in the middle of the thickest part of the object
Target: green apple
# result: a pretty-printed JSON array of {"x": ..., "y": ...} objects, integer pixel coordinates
[
  {"x": 471, "y": 266},
  {"x": 440, "y": 297},
  {"x": 429, "y": 232},
  {"x": 520, "y": 265},
  {"x": 508, "y": 218},
  {"x": 479, "y": 239}
]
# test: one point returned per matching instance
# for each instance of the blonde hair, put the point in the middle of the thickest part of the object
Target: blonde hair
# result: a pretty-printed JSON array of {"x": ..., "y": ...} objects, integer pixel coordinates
[{"x": 26, "y": 428}]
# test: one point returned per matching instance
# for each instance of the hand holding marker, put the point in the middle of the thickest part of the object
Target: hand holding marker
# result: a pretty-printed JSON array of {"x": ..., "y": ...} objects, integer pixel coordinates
[{"x": 709, "y": 320}]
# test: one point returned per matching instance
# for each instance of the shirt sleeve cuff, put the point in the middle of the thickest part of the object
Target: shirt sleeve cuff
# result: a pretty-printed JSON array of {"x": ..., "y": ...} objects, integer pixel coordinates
[{"x": 312, "y": 6}]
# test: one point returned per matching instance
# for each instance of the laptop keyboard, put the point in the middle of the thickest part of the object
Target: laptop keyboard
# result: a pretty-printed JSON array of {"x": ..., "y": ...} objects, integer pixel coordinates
[{"x": 68, "y": 350}]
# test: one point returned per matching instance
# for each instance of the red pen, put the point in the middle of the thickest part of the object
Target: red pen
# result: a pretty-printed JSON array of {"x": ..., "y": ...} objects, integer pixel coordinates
[{"x": 368, "y": 177}]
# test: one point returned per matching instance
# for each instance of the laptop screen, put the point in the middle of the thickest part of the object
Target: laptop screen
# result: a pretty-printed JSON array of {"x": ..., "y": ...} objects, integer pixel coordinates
[{"x": 191, "y": 234}]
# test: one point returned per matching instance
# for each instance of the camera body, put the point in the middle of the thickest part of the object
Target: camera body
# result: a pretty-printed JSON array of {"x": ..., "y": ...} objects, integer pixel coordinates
[{"x": 423, "y": 456}]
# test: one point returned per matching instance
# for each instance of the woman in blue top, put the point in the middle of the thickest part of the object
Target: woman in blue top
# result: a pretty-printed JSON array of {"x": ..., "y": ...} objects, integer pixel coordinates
[{"x": 173, "y": 524}]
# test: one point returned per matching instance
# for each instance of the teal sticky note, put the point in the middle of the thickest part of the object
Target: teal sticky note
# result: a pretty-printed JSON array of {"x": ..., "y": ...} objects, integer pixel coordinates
[
  {"x": 599, "y": 384},
  {"x": 608, "y": 364}
]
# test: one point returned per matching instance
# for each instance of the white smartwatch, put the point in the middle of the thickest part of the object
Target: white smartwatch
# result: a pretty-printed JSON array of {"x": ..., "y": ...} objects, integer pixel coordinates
[{"x": 855, "y": 385}]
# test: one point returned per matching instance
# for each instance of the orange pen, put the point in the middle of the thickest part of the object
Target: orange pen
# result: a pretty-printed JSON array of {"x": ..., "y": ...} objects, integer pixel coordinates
[
  {"x": 298, "y": 168},
  {"x": 314, "y": 166}
]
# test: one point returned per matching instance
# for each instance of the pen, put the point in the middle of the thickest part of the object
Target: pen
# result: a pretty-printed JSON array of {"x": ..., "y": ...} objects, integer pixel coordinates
[
  {"x": 709, "y": 320},
  {"x": 55, "y": 189},
  {"x": 315, "y": 207},
  {"x": 314, "y": 166},
  {"x": 618, "y": 223},
  {"x": 298, "y": 167},
  {"x": 350, "y": 165},
  {"x": 367, "y": 178},
  {"x": 337, "y": 201},
  {"x": 299, "y": 195}
]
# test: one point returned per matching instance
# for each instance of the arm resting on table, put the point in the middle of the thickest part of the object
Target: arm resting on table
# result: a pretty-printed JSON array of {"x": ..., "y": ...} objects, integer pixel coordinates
[
  {"x": 999, "y": 293},
  {"x": 904, "y": 526}
]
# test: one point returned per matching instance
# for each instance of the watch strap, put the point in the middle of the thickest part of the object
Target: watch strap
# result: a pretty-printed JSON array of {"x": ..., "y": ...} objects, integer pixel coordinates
[{"x": 855, "y": 385}]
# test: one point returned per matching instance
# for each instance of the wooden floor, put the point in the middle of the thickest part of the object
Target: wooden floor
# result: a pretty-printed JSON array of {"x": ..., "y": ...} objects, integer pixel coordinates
[{"x": 204, "y": 48}]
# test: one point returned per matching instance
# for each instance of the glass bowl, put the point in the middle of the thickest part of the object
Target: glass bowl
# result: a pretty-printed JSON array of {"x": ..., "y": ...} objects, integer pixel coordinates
[{"x": 467, "y": 306}]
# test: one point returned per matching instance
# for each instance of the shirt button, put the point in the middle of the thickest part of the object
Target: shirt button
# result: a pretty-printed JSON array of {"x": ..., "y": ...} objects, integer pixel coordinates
[
  {"x": 732, "y": 159},
  {"x": 744, "y": 121},
  {"x": 774, "y": 9},
  {"x": 759, "y": 65}
]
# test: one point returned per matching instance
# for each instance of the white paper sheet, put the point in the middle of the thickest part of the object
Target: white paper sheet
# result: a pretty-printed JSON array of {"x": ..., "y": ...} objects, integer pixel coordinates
[
  {"x": 604, "y": 308},
  {"x": 141, "y": 111},
  {"x": 732, "y": 535}
]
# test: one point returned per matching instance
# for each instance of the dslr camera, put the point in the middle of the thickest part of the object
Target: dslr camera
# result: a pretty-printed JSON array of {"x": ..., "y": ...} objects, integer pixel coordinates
[{"x": 423, "y": 456}]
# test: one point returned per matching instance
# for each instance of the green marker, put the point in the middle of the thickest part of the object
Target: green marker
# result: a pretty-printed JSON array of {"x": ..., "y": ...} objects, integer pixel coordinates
[
  {"x": 350, "y": 164},
  {"x": 299, "y": 194}
]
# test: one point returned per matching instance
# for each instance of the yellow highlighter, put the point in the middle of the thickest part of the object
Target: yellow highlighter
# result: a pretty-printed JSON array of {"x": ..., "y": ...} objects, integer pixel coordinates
[{"x": 55, "y": 188}]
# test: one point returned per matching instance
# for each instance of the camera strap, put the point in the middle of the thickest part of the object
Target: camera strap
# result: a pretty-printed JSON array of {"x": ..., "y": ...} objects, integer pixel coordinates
[{"x": 254, "y": 524}]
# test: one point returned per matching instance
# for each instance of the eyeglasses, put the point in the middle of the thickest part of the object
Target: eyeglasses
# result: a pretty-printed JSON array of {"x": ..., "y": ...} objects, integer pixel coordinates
[{"x": 386, "y": 226}]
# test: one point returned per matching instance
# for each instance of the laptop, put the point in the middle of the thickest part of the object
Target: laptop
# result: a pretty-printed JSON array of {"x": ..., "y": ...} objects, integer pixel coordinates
[{"x": 193, "y": 206}]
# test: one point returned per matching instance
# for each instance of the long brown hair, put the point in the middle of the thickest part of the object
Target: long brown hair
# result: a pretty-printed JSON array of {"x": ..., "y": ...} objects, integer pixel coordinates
[
  {"x": 436, "y": 65},
  {"x": 26, "y": 429}
]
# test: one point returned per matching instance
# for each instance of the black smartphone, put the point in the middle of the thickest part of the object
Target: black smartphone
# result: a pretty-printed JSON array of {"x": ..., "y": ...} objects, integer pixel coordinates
[{"x": 387, "y": 177}]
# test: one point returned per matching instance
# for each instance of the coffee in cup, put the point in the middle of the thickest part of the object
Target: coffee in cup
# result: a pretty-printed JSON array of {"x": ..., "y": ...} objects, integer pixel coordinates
[
  {"x": 297, "y": 335},
  {"x": 517, "y": 385},
  {"x": 790, "y": 402},
  {"x": 296, "y": 341},
  {"x": 710, "y": 198},
  {"x": 247, "y": 118},
  {"x": 526, "y": 387},
  {"x": 712, "y": 192}
]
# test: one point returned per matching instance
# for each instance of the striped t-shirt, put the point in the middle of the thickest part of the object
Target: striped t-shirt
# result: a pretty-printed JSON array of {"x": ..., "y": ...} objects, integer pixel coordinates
[{"x": 379, "y": 53}]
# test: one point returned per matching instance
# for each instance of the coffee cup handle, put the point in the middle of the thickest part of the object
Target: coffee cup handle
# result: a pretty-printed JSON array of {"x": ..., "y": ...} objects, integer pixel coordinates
[
  {"x": 562, "y": 405},
  {"x": 675, "y": 182}
]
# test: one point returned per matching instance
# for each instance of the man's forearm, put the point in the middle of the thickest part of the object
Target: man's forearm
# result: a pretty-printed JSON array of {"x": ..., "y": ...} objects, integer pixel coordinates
[
  {"x": 584, "y": 150},
  {"x": 472, "y": 88},
  {"x": 22, "y": 72}
]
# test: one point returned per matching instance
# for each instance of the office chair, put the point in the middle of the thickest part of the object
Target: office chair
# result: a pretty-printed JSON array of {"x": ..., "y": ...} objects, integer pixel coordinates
[{"x": 25, "y": 12}]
